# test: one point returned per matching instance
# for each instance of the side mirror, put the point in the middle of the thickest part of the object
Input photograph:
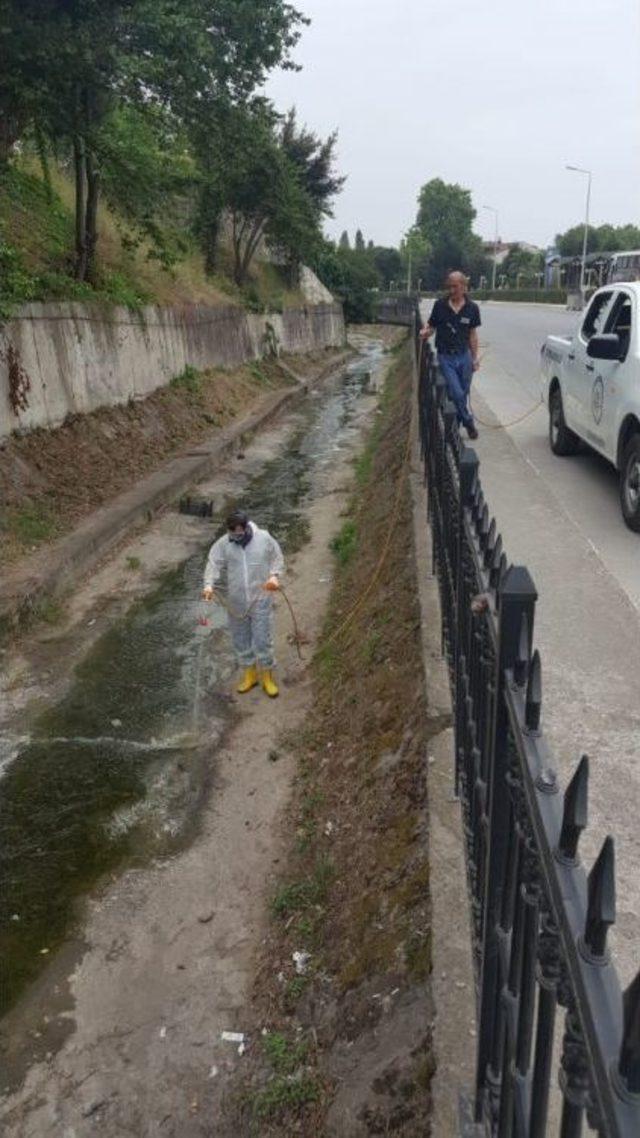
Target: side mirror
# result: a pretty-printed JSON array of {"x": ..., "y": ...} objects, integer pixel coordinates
[{"x": 605, "y": 347}]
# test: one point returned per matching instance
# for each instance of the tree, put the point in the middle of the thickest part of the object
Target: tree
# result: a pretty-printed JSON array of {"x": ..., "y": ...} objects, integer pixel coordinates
[
  {"x": 601, "y": 239},
  {"x": 71, "y": 63},
  {"x": 350, "y": 276},
  {"x": 520, "y": 263},
  {"x": 314, "y": 159},
  {"x": 569, "y": 244},
  {"x": 415, "y": 254},
  {"x": 344, "y": 242},
  {"x": 388, "y": 263},
  {"x": 275, "y": 181},
  {"x": 360, "y": 242},
  {"x": 445, "y": 217}
]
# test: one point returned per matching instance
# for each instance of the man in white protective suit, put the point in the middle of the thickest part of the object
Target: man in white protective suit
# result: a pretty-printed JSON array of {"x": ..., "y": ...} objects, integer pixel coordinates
[{"x": 249, "y": 562}]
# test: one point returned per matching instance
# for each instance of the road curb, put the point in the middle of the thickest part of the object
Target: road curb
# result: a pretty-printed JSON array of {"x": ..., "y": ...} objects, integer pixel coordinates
[{"x": 52, "y": 572}]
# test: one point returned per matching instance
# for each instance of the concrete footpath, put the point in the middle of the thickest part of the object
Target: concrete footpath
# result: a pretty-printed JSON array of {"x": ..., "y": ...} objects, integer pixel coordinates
[
  {"x": 587, "y": 633},
  {"x": 53, "y": 570}
]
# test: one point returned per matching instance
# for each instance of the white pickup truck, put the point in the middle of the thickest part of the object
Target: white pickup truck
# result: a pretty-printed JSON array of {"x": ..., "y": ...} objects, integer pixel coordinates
[{"x": 591, "y": 385}]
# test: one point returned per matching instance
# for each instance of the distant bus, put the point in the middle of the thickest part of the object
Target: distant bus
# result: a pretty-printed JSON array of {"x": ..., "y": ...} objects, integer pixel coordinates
[{"x": 624, "y": 266}]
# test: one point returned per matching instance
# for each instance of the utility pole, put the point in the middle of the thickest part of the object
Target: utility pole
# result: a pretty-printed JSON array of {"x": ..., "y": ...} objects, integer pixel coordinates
[
  {"x": 580, "y": 170},
  {"x": 494, "y": 211}
]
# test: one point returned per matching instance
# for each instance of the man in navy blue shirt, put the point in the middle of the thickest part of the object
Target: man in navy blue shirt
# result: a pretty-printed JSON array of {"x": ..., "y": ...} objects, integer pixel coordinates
[{"x": 455, "y": 321}]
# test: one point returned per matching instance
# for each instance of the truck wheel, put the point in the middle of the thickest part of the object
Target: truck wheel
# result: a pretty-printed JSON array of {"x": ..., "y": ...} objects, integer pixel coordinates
[
  {"x": 561, "y": 440},
  {"x": 630, "y": 484}
]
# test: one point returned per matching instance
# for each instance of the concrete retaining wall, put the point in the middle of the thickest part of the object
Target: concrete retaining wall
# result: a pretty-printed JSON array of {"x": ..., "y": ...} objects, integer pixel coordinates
[{"x": 73, "y": 358}]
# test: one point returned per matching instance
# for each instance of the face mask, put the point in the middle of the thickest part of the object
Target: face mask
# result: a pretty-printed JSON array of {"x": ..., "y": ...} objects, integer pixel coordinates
[{"x": 241, "y": 539}]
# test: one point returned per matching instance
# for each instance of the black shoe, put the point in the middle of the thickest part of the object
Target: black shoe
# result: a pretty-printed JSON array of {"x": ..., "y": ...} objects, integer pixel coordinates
[{"x": 472, "y": 431}]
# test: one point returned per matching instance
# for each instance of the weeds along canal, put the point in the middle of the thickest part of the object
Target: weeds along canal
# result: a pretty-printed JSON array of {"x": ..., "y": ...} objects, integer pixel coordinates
[{"x": 116, "y": 771}]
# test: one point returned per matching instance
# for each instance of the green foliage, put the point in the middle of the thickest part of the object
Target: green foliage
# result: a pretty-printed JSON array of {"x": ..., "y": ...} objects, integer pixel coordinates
[
  {"x": 350, "y": 275},
  {"x": 284, "y": 1055},
  {"x": 388, "y": 263},
  {"x": 600, "y": 239},
  {"x": 520, "y": 265},
  {"x": 541, "y": 295},
  {"x": 133, "y": 563},
  {"x": 444, "y": 221},
  {"x": 118, "y": 88},
  {"x": 189, "y": 380},
  {"x": 31, "y": 524},
  {"x": 283, "y": 1093},
  {"x": 344, "y": 544},
  {"x": 299, "y": 896}
]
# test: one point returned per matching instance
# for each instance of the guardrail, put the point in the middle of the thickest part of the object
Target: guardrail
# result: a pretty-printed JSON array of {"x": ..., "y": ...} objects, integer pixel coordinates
[{"x": 539, "y": 922}]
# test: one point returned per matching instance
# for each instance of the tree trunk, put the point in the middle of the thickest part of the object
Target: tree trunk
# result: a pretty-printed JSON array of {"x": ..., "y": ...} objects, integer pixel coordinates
[
  {"x": 91, "y": 220},
  {"x": 251, "y": 246},
  {"x": 236, "y": 240},
  {"x": 41, "y": 147},
  {"x": 80, "y": 165}
]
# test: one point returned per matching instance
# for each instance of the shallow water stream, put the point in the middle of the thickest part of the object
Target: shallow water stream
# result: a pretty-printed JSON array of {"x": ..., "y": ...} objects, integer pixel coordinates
[{"x": 115, "y": 772}]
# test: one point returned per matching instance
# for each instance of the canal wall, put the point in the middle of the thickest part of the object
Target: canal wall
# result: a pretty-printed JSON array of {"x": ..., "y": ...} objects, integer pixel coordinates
[{"x": 70, "y": 358}]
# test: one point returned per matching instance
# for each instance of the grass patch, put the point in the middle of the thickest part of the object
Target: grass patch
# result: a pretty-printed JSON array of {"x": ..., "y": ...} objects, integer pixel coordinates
[
  {"x": 33, "y": 523},
  {"x": 362, "y": 466},
  {"x": 189, "y": 380},
  {"x": 48, "y": 610},
  {"x": 298, "y": 896},
  {"x": 133, "y": 563},
  {"x": 284, "y": 1055},
  {"x": 344, "y": 544},
  {"x": 284, "y": 1094},
  {"x": 294, "y": 990}
]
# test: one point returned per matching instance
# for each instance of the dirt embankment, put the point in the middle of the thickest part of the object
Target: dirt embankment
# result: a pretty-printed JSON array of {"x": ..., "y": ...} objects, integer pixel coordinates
[
  {"x": 51, "y": 479},
  {"x": 342, "y": 1005}
]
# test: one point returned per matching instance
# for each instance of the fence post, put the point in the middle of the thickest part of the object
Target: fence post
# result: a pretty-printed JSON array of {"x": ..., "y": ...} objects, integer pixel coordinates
[{"x": 517, "y": 597}]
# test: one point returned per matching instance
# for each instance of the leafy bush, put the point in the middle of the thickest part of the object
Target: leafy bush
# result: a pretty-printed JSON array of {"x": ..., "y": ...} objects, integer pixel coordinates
[{"x": 530, "y": 295}]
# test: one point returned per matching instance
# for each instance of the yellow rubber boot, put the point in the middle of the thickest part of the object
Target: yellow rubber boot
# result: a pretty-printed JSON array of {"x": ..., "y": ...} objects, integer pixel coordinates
[
  {"x": 249, "y": 680},
  {"x": 269, "y": 685}
]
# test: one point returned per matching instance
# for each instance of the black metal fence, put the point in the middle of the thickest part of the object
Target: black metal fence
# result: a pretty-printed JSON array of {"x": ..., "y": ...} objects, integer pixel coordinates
[{"x": 539, "y": 923}]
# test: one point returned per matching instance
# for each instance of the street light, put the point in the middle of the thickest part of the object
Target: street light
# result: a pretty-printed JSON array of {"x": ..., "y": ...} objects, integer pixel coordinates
[
  {"x": 495, "y": 245},
  {"x": 580, "y": 170}
]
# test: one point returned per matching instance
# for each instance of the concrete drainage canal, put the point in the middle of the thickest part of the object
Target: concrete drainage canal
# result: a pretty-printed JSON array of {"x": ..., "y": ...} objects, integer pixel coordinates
[{"x": 115, "y": 772}]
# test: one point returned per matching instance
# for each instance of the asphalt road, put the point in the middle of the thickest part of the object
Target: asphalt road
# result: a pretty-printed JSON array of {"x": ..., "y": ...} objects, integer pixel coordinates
[
  {"x": 561, "y": 518},
  {"x": 586, "y": 486}
]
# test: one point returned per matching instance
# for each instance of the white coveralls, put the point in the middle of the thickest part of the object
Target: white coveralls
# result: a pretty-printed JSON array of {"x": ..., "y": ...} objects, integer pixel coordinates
[{"x": 245, "y": 570}]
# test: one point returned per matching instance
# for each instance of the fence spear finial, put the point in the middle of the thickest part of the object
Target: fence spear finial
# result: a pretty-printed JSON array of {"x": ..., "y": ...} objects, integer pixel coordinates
[
  {"x": 601, "y": 906},
  {"x": 575, "y": 811}
]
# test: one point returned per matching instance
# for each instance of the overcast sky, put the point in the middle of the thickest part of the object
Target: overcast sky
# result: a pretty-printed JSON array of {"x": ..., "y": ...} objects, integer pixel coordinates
[{"x": 494, "y": 94}]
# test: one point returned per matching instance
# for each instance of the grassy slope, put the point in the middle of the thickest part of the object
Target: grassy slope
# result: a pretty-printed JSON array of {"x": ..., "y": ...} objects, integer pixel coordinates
[
  {"x": 36, "y": 254},
  {"x": 356, "y": 893}
]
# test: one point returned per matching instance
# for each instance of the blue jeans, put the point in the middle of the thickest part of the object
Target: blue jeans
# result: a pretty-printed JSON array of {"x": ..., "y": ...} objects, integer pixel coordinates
[{"x": 457, "y": 372}]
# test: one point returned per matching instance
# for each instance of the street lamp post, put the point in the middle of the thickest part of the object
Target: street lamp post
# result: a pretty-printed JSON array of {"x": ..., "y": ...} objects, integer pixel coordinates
[
  {"x": 495, "y": 245},
  {"x": 580, "y": 170}
]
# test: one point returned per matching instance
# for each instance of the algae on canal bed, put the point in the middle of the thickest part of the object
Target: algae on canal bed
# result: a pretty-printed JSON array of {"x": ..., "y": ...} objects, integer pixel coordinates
[{"x": 117, "y": 770}]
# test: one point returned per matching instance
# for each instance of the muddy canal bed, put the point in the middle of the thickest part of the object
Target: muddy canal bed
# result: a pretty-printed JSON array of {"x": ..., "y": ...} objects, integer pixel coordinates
[{"x": 114, "y": 722}]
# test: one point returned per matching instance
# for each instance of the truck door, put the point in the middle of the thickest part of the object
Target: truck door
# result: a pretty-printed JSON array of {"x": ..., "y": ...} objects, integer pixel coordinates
[
  {"x": 609, "y": 376},
  {"x": 579, "y": 369}
]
